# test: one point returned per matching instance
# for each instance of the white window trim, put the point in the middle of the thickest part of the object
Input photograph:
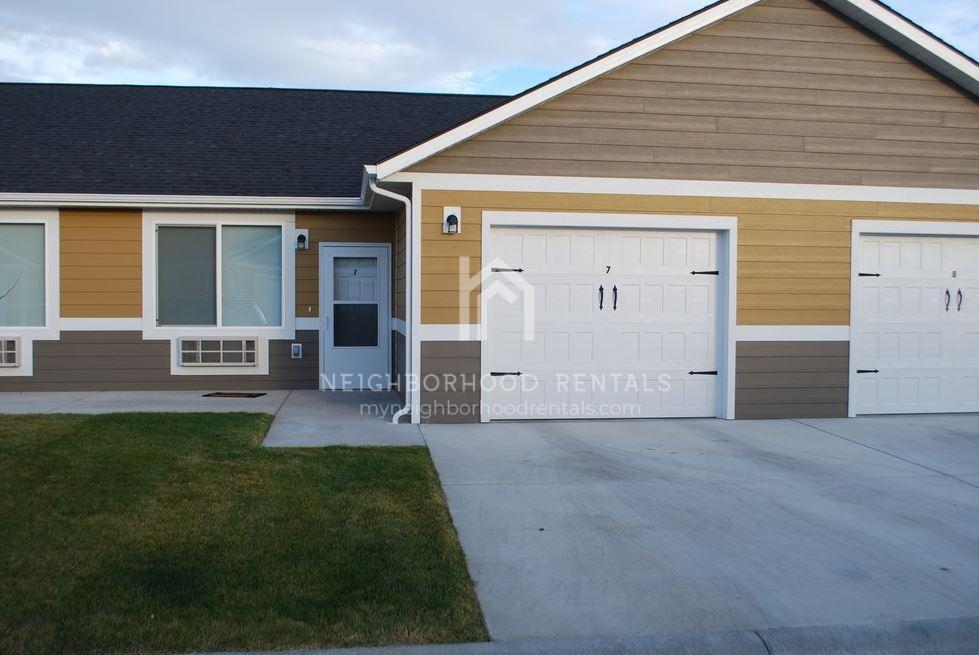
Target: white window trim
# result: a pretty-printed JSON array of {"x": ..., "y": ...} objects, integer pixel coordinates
[
  {"x": 155, "y": 219},
  {"x": 263, "y": 334},
  {"x": 726, "y": 228},
  {"x": 895, "y": 228},
  {"x": 51, "y": 330}
]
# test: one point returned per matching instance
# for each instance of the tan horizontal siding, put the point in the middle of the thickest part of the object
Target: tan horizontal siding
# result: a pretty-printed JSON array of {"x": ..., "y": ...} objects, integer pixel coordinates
[
  {"x": 794, "y": 255},
  {"x": 324, "y": 227},
  {"x": 784, "y": 94},
  {"x": 101, "y": 264}
]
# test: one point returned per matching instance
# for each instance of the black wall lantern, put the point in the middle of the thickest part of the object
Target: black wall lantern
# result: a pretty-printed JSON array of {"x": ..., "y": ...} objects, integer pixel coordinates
[{"x": 452, "y": 220}]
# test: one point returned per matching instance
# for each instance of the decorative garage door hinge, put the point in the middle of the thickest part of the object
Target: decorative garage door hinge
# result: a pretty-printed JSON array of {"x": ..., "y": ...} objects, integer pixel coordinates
[
  {"x": 870, "y": 275},
  {"x": 703, "y": 372},
  {"x": 502, "y": 374},
  {"x": 867, "y": 371},
  {"x": 705, "y": 272},
  {"x": 508, "y": 270}
]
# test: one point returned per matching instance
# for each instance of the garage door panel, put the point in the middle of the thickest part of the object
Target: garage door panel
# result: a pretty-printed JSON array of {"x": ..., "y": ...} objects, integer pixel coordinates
[
  {"x": 917, "y": 350},
  {"x": 617, "y": 312}
]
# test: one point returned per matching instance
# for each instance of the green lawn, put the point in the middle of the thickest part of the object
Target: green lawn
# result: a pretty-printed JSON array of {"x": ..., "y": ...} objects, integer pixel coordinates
[{"x": 158, "y": 533}]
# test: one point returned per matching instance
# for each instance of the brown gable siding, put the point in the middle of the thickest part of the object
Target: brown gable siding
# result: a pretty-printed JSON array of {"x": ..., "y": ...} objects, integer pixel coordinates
[
  {"x": 101, "y": 264},
  {"x": 785, "y": 91}
]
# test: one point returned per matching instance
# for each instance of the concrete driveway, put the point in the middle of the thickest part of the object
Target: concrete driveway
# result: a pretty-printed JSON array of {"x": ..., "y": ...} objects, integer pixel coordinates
[{"x": 637, "y": 528}]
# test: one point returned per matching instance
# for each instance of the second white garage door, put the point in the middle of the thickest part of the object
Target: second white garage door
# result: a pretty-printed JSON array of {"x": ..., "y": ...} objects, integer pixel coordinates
[
  {"x": 624, "y": 324},
  {"x": 916, "y": 325}
]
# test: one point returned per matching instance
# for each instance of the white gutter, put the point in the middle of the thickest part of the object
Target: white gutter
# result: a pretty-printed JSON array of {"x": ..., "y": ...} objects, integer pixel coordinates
[
  {"x": 409, "y": 387},
  {"x": 186, "y": 202}
]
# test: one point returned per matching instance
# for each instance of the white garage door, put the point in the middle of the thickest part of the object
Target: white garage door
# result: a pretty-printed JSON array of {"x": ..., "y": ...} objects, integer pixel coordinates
[
  {"x": 916, "y": 326},
  {"x": 621, "y": 325}
]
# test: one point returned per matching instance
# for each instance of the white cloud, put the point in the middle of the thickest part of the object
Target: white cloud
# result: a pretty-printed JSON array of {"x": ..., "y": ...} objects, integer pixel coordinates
[{"x": 463, "y": 46}]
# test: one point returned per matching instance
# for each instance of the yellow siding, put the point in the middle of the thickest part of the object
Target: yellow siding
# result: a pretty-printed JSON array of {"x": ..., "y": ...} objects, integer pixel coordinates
[
  {"x": 794, "y": 255},
  {"x": 101, "y": 264},
  {"x": 333, "y": 227}
]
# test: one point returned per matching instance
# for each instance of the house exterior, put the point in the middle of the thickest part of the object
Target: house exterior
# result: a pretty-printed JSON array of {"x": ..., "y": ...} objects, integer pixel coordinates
[{"x": 767, "y": 209}]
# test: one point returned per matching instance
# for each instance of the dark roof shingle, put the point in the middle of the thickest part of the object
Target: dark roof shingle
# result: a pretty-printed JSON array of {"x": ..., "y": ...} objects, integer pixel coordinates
[{"x": 64, "y": 138}]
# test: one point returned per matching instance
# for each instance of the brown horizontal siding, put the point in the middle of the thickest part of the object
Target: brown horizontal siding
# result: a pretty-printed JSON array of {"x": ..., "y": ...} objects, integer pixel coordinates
[
  {"x": 791, "y": 379},
  {"x": 325, "y": 227},
  {"x": 794, "y": 255},
  {"x": 444, "y": 364},
  {"x": 123, "y": 361},
  {"x": 101, "y": 264},
  {"x": 793, "y": 94}
]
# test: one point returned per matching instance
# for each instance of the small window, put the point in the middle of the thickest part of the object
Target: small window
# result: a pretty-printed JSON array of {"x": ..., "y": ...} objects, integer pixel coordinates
[
  {"x": 217, "y": 352},
  {"x": 9, "y": 352}
]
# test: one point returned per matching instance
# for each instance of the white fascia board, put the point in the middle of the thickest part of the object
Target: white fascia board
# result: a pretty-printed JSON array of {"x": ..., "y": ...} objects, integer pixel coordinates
[
  {"x": 910, "y": 38},
  {"x": 694, "y": 188},
  {"x": 560, "y": 85},
  {"x": 175, "y": 202},
  {"x": 451, "y": 332}
]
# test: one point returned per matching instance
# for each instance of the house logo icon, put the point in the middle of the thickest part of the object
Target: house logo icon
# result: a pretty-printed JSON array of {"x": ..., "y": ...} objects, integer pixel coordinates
[{"x": 496, "y": 281}]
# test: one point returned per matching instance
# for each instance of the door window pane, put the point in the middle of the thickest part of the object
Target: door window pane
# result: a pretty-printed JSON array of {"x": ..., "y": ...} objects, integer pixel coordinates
[
  {"x": 187, "y": 276},
  {"x": 355, "y": 279},
  {"x": 21, "y": 275},
  {"x": 355, "y": 326},
  {"x": 251, "y": 275}
]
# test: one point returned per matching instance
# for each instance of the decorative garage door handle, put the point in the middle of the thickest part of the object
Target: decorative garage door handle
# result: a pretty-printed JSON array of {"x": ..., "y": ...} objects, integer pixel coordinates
[
  {"x": 868, "y": 371},
  {"x": 948, "y": 299},
  {"x": 615, "y": 299},
  {"x": 961, "y": 299},
  {"x": 703, "y": 372},
  {"x": 601, "y": 298}
]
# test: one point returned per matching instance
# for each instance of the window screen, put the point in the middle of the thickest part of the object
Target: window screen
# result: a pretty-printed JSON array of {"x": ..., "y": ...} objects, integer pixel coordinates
[
  {"x": 251, "y": 275},
  {"x": 21, "y": 275},
  {"x": 187, "y": 276}
]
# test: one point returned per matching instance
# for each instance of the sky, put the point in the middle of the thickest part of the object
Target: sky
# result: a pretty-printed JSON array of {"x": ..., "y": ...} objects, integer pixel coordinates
[{"x": 457, "y": 46}]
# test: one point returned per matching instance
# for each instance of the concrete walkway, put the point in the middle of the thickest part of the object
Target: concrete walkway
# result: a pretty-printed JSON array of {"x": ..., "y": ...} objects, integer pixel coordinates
[
  {"x": 314, "y": 419},
  {"x": 114, "y": 402},
  {"x": 689, "y": 526}
]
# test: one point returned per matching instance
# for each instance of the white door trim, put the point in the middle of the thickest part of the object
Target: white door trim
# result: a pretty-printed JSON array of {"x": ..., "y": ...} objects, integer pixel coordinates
[
  {"x": 384, "y": 294},
  {"x": 727, "y": 248},
  {"x": 911, "y": 228}
]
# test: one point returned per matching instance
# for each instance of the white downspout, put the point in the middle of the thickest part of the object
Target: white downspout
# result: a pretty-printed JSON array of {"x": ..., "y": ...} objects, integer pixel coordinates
[{"x": 409, "y": 390}]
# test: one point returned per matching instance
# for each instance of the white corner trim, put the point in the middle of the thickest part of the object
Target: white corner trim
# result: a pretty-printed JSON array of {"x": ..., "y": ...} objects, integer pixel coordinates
[
  {"x": 451, "y": 332},
  {"x": 185, "y": 202},
  {"x": 793, "y": 333},
  {"x": 561, "y": 85},
  {"x": 695, "y": 188},
  {"x": 101, "y": 325}
]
